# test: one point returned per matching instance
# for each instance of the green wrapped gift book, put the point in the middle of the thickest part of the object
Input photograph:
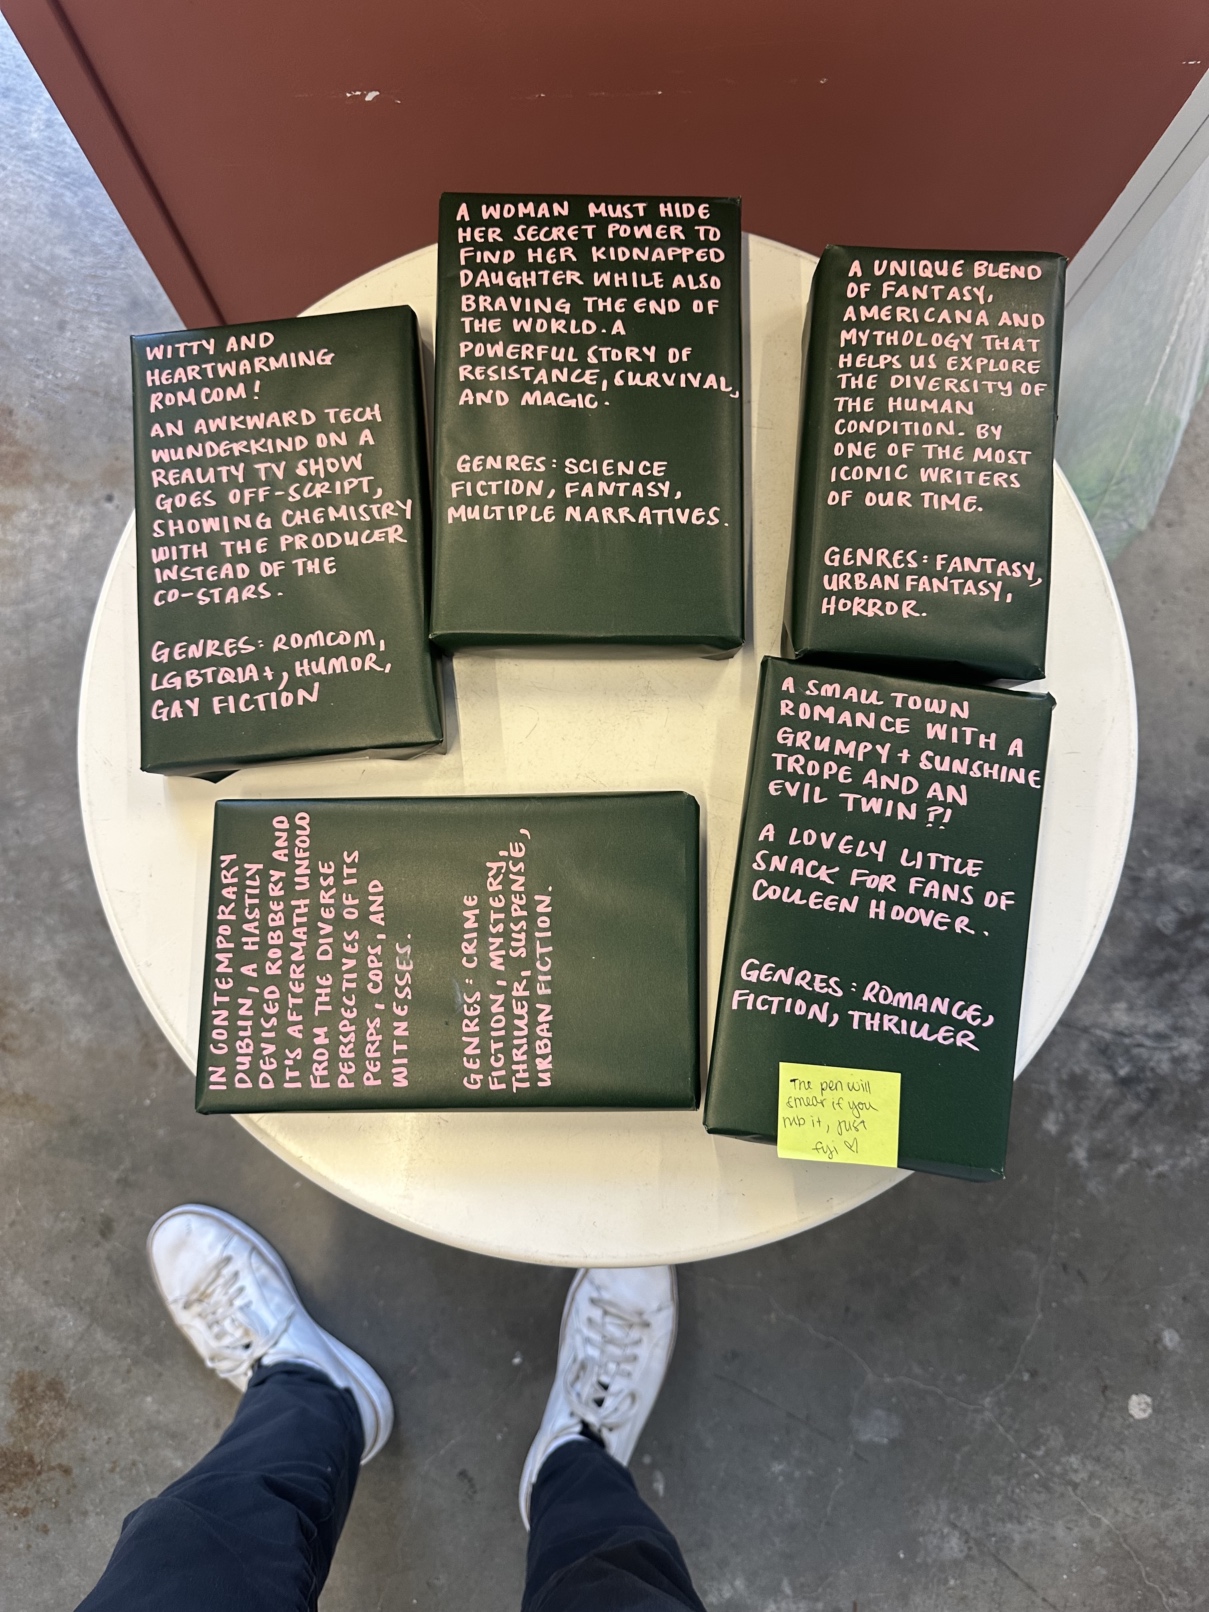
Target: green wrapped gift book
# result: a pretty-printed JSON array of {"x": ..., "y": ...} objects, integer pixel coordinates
[
  {"x": 588, "y": 475},
  {"x": 926, "y": 459},
  {"x": 282, "y": 523},
  {"x": 880, "y": 910},
  {"x": 520, "y": 952}
]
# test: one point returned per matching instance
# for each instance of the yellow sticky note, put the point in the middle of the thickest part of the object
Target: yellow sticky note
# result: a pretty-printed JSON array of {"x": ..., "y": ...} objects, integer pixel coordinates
[{"x": 838, "y": 1116}]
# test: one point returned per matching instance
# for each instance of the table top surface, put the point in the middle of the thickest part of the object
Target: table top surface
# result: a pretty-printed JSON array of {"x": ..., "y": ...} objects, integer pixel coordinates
[{"x": 575, "y": 1188}]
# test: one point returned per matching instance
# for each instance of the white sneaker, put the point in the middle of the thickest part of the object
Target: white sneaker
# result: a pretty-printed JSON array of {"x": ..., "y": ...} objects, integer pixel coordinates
[
  {"x": 230, "y": 1294},
  {"x": 619, "y": 1327}
]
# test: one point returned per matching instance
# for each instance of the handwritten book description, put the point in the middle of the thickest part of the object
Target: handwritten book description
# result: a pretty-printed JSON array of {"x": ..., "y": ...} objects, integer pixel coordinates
[
  {"x": 1003, "y": 408},
  {"x": 838, "y": 1116},
  {"x": 280, "y": 516}
]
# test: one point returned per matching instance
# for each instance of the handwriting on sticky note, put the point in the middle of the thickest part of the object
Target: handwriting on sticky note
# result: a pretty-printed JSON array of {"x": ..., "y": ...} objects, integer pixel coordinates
[{"x": 838, "y": 1116}]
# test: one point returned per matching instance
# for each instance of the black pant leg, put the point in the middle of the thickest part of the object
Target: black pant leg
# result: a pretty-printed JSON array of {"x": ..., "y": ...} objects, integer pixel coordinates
[
  {"x": 595, "y": 1545},
  {"x": 253, "y": 1527}
]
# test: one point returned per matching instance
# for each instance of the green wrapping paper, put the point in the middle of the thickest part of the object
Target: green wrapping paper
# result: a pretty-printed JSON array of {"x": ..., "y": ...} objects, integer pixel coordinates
[
  {"x": 925, "y": 468},
  {"x": 525, "y": 952},
  {"x": 282, "y": 514},
  {"x": 588, "y": 478},
  {"x": 880, "y": 910}
]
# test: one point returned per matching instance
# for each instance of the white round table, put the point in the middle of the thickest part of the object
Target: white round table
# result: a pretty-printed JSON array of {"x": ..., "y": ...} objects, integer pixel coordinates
[{"x": 601, "y": 1188}]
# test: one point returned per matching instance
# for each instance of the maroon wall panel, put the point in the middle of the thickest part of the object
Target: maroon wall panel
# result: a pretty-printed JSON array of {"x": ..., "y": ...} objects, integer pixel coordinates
[{"x": 242, "y": 145}]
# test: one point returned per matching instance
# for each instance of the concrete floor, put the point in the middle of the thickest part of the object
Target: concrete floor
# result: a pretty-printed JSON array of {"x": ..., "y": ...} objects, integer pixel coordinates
[{"x": 924, "y": 1405}]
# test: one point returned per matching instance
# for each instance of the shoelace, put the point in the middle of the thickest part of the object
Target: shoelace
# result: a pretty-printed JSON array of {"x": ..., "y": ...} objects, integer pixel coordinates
[
  {"x": 598, "y": 1383},
  {"x": 220, "y": 1306}
]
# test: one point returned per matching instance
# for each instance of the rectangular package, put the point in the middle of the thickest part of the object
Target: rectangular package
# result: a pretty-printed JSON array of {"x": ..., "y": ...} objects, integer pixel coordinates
[
  {"x": 880, "y": 910},
  {"x": 520, "y": 952},
  {"x": 282, "y": 513},
  {"x": 926, "y": 460},
  {"x": 588, "y": 477}
]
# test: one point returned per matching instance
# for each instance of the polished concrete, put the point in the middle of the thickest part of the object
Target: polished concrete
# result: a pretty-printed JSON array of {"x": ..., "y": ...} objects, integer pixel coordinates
[{"x": 923, "y": 1406}]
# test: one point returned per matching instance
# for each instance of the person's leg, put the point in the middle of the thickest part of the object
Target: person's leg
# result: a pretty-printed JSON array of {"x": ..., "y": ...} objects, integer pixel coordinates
[
  {"x": 255, "y": 1523},
  {"x": 594, "y": 1543}
]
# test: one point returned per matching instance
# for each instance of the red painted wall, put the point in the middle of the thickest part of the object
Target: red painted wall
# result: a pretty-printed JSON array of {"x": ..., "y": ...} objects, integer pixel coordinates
[{"x": 240, "y": 142}]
